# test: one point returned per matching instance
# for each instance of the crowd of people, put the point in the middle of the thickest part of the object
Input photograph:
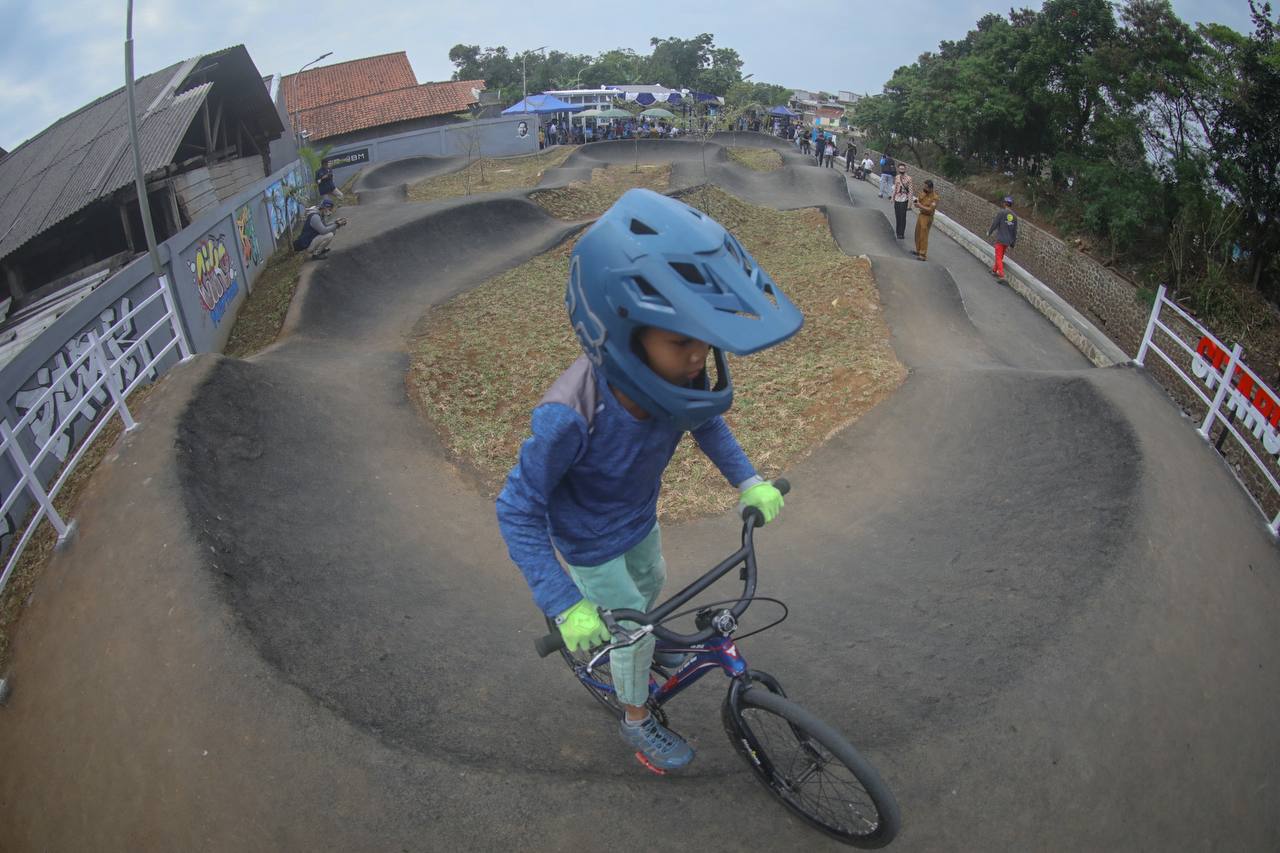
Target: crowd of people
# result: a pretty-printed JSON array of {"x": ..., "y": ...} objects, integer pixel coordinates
[{"x": 561, "y": 132}]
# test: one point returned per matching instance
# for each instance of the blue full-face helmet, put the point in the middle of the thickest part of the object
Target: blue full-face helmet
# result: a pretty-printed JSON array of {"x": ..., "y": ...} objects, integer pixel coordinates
[{"x": 655, "y": 261}]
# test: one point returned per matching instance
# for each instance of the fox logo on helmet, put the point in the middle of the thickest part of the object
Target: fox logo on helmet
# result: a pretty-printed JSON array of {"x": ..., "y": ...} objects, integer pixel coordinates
[{"x": 592, "y": 338}]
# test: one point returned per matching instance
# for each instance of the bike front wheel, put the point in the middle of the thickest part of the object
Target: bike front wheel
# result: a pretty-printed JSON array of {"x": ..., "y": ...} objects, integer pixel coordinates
[{"x": 811, "y": 768}]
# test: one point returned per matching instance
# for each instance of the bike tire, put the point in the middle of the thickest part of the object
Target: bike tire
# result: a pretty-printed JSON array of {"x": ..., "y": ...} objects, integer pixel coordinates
[
  {"x": 577, "y": 661},
  {"x": 812, "y": 770}
]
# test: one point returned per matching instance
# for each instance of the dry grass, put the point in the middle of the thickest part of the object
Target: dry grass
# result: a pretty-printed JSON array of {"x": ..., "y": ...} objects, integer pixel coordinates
[
  {"x": 39, "y": 549},
  {"x": 582, "y": 200},
  {"x": 481, "y": 361},
  {"x": 490, "y": 175},
  {"x": 756, "y": 159},
  {"x": 261, "y": 316}
]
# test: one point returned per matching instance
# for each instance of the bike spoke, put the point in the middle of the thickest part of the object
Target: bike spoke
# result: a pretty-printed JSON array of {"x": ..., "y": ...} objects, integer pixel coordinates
[{"x": 807, "y": 775}]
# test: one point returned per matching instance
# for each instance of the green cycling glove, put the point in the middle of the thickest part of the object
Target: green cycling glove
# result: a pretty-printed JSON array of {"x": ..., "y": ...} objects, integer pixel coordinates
[
  {"x": 764, "y": 497},
  {"x": 581, "y": 628}
]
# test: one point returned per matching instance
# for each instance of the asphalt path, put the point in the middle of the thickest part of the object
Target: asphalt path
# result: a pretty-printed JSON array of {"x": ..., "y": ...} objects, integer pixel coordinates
[{"x": 1021, "y": 585}]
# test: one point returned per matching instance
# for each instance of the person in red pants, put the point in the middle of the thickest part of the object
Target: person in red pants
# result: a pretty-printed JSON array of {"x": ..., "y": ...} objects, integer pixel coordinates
[{"x": 1005, "y": 227}]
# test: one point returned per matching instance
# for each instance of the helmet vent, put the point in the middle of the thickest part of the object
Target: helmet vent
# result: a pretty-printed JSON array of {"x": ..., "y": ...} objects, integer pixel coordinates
[
  {"x": 688, "y": 272},
  {"x": 768, "y": 291},
  {"x": 638, "y": 227},
  {"x": 738, "y": 254},
  {"x": 647, "y": 290}
]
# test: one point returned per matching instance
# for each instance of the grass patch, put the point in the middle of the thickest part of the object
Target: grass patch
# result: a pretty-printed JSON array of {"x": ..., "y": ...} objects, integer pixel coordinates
[
  {"x": 490, "y": 175},
  {"x": 582, "y": 200},
  {"x": 261, "y": 316},
  {"x": 480, "y": 362},
  {"x": 756, "y": 159},
  {"x": 39, "y": 549}
]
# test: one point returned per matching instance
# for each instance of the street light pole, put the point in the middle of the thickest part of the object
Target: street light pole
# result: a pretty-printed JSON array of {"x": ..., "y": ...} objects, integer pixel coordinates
[
  {"x": 524, "y": 76},
  {"x": 297, "y": 85}
]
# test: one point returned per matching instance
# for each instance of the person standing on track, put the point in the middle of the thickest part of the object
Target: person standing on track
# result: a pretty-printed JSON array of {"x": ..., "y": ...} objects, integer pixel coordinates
[
  {"x": 888, "y": 169},
  {"x": 586, "y": 482},
  {"x": 1005, "y": 227},
  {"x": 926, "y": 206},
  {"x": 902, "y": 192}
]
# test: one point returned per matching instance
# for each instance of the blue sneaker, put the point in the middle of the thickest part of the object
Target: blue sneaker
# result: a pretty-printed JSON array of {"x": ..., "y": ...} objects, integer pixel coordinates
[{"x": 657, "y": 747}]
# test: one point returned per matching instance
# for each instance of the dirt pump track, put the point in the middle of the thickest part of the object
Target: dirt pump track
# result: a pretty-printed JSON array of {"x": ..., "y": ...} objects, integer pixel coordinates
[{"x": 1021, "y": 585}]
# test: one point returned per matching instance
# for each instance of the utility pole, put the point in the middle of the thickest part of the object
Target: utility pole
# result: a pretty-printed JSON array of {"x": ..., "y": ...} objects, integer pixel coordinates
[{"x": 140, "y": 185}]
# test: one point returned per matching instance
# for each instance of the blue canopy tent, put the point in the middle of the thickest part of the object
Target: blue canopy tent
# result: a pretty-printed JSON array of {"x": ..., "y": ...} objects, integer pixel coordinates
[
  {"x": 541, "y": 105},
  {"x": 782, "y": 112}
]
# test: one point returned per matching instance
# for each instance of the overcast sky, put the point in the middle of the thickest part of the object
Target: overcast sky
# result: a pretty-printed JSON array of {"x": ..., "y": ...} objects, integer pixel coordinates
[{"x": 60, "y": 54}]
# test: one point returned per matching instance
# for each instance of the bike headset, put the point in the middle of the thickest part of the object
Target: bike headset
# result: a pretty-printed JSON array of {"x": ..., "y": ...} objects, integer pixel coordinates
[{"x": 651, "y": 260}]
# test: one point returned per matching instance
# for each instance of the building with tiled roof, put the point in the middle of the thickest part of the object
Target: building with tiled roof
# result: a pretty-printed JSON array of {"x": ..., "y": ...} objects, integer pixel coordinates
[
  {"x": 370, "y": 97},
  {"x": 68, "y": 203}
]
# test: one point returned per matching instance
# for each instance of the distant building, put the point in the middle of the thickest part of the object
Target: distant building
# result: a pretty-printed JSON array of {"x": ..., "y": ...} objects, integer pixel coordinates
[
  {"x": 68, "y": 208},
  {"x": 369, "y": 98},
  {"x": 593, "y": 98},
  {"x": 829, "y": 117}
]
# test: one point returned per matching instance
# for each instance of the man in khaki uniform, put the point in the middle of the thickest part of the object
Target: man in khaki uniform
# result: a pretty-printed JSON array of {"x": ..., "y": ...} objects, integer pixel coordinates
[{"x": 926, "y": 206}]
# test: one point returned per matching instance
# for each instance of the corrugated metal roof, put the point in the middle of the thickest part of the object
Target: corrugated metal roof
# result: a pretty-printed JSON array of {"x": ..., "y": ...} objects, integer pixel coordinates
[{"x": 85, "y": 156}]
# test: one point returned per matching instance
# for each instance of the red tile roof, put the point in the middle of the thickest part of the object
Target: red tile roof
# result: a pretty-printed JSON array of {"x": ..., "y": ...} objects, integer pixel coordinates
[
  {"x": 830, "y": 112},
  {"x": 362, "y": 93}
]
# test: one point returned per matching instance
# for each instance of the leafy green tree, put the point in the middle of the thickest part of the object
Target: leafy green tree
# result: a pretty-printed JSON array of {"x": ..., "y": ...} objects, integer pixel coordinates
[
  {"x": 725, "y": 70},
  {"x": 614, "y": 67},
  {"x": 676, "y": 62},
  {"x": 1247, "y": 146}
]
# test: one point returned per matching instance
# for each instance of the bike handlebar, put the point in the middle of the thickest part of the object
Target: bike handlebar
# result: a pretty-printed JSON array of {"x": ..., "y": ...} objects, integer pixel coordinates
[{"x": 752, "y": 518}]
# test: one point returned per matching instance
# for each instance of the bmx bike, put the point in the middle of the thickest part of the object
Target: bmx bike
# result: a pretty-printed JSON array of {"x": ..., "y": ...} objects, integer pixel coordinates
[{"x": 805, "y": 763}]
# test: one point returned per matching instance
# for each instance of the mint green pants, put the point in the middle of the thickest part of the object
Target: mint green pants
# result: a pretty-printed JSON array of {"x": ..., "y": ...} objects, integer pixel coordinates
[{"x": 632, "y": 580}]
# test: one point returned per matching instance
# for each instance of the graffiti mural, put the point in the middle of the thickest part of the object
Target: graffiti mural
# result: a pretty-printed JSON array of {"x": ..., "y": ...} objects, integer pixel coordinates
[
  {"x": 215, "y": 275},
  {"x": 248, "y": 235},
  {"x": 282, "y": 202},
  {"x": 71, "y": 392}
]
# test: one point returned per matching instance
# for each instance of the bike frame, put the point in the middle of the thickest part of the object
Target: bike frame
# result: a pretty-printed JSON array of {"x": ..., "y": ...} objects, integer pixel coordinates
[{"x": 719, "y": 652}]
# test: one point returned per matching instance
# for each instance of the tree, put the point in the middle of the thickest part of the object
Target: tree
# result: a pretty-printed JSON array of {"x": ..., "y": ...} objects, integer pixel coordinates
[
  {"x": 1247, "y": 147},
  {"x": 677, "y": 63}
]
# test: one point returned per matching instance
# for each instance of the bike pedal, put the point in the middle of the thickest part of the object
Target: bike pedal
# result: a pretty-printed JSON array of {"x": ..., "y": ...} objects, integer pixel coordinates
[{"x": 650, "y": 765}]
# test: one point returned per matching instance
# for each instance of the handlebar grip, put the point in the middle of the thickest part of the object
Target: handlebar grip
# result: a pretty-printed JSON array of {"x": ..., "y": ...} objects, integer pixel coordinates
[
  {"x": 782, "y": 485},
  {"x": 549, "y": 644}
]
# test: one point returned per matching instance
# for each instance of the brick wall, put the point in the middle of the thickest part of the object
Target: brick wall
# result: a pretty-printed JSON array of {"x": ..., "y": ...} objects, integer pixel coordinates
[{"x": 1109, "y": 301}]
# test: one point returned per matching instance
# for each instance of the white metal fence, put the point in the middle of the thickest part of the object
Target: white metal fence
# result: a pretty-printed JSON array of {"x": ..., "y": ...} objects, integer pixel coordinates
[
  {"x": 1241, "y": 402},
  {"x": 101, "y": 372}
]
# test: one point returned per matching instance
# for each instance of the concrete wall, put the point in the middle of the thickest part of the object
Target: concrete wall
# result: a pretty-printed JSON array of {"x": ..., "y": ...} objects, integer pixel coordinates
[
  {"x": 498, "y": 137},
  {"x": 211, "y": 265}
]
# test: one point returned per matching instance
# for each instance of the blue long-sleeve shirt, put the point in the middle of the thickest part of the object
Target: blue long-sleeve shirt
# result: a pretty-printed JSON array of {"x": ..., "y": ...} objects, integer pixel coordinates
[{"x": 589, "y": 488}]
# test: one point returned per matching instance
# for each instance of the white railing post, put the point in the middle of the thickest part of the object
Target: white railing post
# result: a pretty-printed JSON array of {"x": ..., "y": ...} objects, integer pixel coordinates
[
  {"x": 171, "y": 308},
  {"x": 1151, "y": 328},
  {"x": 1224, "y": 386},
  {"x": 28, "y": 478},
  {"x": 111, "y": 372}
]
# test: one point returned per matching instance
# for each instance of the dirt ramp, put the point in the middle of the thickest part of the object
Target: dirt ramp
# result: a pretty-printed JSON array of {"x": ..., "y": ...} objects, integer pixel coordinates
[
  {"x": 788, "y": 188},
  {"x": 389, "y": 182},
  {"x": 387, "y": 280},
  {"x": 623, "y": 152}
]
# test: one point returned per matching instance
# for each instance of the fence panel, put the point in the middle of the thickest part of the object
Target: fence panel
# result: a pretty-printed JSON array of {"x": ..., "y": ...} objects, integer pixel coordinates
[
  {"x": 76, "y": 395},
  {"x": 1243, "y": 408}
]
